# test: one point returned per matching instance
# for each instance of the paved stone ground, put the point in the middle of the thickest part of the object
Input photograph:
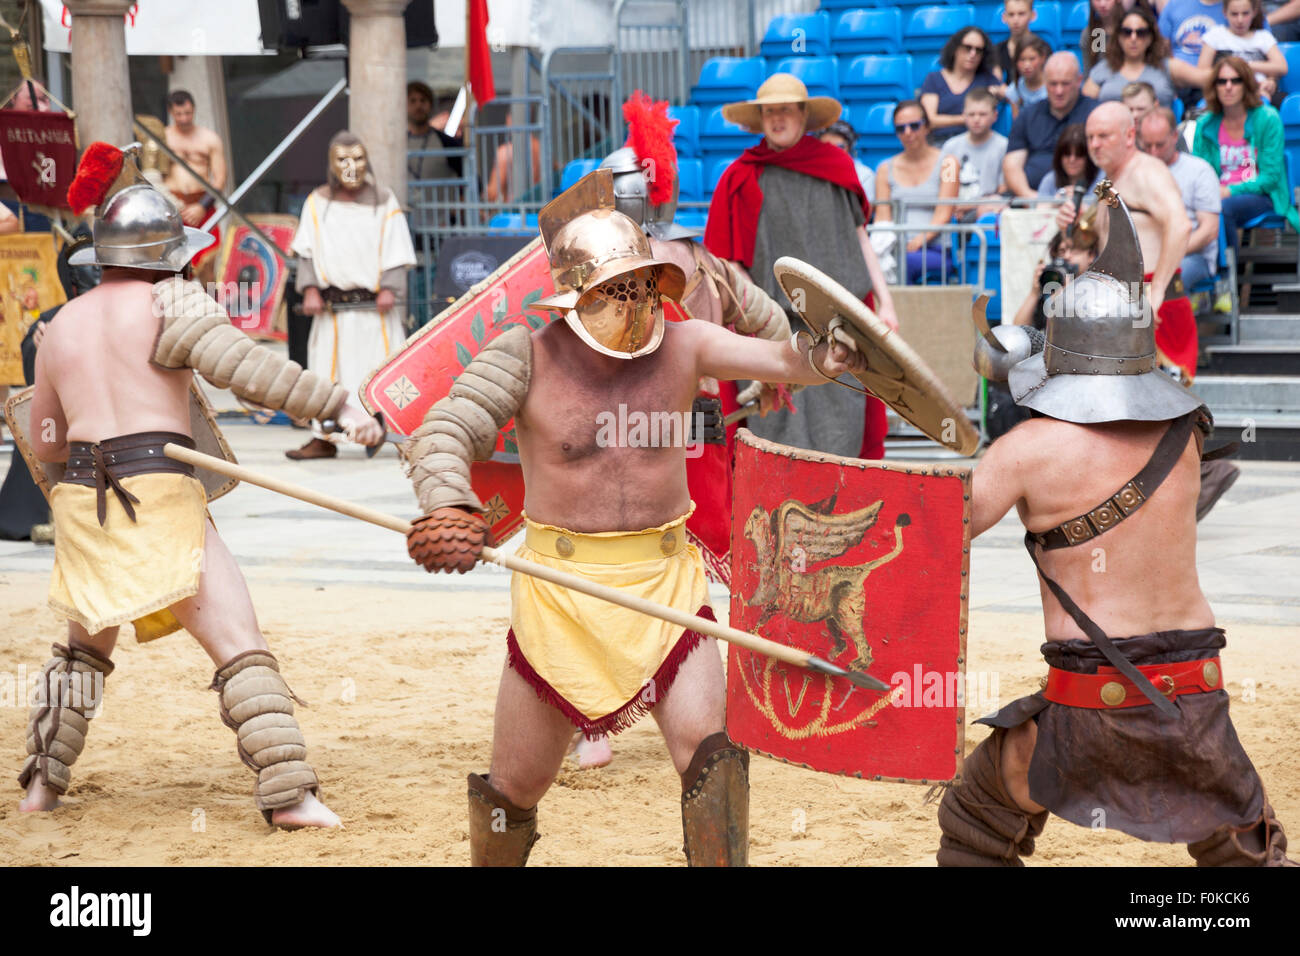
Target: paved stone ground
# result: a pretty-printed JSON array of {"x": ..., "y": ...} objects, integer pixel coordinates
[{"x": 1249, "y": 555}]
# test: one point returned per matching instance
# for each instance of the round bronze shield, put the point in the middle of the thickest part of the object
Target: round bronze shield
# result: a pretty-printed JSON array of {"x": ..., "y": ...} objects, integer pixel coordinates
[{"x": 895, "y": 374}]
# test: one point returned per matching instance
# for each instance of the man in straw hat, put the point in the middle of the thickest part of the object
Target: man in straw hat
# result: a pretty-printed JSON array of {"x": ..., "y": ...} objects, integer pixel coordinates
[
  {"x": 793, "y": 195},
  {"x": 133, "y": 540},
  {"x": 599, "y": 398},
  {"x": 1131, "y": 729}
]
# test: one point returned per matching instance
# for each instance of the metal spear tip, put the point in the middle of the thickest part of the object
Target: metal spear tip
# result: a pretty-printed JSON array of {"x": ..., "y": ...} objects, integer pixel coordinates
[{"x": 858, "y": 678}]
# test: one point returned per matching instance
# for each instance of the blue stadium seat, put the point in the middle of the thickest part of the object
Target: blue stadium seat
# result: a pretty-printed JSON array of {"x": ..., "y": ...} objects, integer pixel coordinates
[
  {"x": 1179, "y": 108},
  {"x": 512, "y": 222},
  {"x": 871, "y": 77},
  {"x": 988, "y": 17},
  {"x": 717, "y": 167},
  {"x": 1291, "y": 82},
  {"x": 690, "y": 181},
  {"x": 818, "y": 73},
  {"x": 1003, "y": 123},
  {"x": 846, "y": 4},
  {"x": 1049, "y": 24},
  {"x": 575, "y": 171},
  {"x": 921, "y": 67},
  {"x": 987, "y": 236},
  {"x": 876, "y": 138},
  {"x": 867, "y": 31},
  {"x": 1290, "y": 110},
  {"x": 1076, "y": 20},
  {"x": 686, "y": 135},
  {"x": 797, "y": 34},
  {"x": 719, "y": 136},
  {"x": 692, "y": 218},
  {"x": 725, "y": 79},
  {"x": 929, "y": 28}
]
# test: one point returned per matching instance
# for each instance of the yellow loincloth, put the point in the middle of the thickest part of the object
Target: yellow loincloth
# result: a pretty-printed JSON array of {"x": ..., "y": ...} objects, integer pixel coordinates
[
  {"x": 603, "y": 665},
  {"x": 128, "y": 570}
]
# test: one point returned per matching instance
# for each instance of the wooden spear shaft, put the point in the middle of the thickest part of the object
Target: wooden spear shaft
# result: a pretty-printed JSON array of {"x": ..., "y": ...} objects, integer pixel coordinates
[{"x": 751, "y": 642}]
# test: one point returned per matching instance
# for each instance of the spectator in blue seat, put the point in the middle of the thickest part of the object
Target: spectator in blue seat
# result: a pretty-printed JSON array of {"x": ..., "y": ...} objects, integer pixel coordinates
[
  {"x": 1016, "y": 14},
  {"x": 1246, "y": 36},
  {"x": 1184, "y": 23},
  {"x": 917, "y": 176},
  {"x": 1135, "y": 53},
  {"x": 1071, "y": 166},
  {"x": 1242, "y": 138},
  {"x": 1030, "y": 87},
  {"x": 842, "y": 135},
  {"x": 1032, "y": 142},
  {"x": 965, "y": 63}
]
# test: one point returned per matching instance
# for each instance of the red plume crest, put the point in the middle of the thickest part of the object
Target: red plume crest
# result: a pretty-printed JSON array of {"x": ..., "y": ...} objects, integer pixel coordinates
[
  {"x": 650, "y": 133},
  {"x": 100, "y": 166}
]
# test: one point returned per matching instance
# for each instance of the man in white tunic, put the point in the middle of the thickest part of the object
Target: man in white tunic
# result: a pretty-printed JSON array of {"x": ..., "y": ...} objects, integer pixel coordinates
[{"x": 353, "y": 250}]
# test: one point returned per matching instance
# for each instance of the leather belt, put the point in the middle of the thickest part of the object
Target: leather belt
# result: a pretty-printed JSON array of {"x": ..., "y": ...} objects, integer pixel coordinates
[
  {"x": 1110, "y": 690},
  {"x": 334, "y": 296},
  {"x": 103, "y": 465}
]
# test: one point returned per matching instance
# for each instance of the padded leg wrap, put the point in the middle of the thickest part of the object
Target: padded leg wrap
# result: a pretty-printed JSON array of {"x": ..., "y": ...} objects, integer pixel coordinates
[
  {"x": 500, "y": 834},
  {"x": 1262, "y": 843},
  {"x": 981, "y": 824},
  {"x": 70, "y": 689},
  {"x": 196, "y": 333},
  {"x": 462, "y": 428},
  {"x": 257, "y": 705},
  {"x": 715, "y": 804}
]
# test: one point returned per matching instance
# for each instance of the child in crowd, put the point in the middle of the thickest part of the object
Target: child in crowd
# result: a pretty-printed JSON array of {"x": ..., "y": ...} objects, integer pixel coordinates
[
  {"x": 1016, "y": 14},
  {"x": 979, "y": 151},
  {"x": 1029, "y": 86},
  {"x": 1140, "y": 98},
  {"x": 1247, "y": 37}
]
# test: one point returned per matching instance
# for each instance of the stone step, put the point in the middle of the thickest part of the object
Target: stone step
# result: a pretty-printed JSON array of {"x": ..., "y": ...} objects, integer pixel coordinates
[
  {"x": 1268, "y": 328},
  {"x": 1249, "y": 394},
  {"x": 1255, "y": 358},
  {"x": 1266, "y": 436}
]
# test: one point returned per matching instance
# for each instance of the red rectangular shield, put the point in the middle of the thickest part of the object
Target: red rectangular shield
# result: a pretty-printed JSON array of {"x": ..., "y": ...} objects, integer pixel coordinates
[
  {"x": 865, "y": 564},
  {"x": 251, "y": 277}
]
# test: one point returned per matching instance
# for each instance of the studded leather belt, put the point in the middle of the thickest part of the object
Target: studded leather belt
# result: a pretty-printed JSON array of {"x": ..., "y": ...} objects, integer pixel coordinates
[
  {"x": 1110, "y": 690},
  {"x": 103, "y": 465},
  {"x": 334, "y": 296}
]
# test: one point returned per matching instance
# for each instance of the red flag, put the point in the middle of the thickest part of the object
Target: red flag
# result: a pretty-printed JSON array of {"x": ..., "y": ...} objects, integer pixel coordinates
[
  {"x": 40, "y": 155},
  {"x": 479, "y": 54}
]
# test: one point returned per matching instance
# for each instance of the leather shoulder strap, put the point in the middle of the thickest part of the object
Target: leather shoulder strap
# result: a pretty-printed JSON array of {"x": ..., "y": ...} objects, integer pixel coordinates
[{"x": 1129, "y": 498}]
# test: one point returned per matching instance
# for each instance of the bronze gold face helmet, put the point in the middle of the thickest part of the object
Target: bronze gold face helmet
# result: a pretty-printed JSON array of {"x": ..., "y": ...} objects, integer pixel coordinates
[
  {"x": 608, "y": 284},
  {"x": 1099, "y": 361}
]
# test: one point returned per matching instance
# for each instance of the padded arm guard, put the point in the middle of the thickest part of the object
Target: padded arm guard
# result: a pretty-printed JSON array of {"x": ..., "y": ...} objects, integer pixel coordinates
[
  {"x": 462, "y": 428},
  {"x": 196, "y": 333},
  {"x": 750, "y": 310}
]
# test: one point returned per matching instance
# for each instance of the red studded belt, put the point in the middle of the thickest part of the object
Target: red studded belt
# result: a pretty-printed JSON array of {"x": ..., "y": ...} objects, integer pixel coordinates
[{"x": 1109, "y": 690}]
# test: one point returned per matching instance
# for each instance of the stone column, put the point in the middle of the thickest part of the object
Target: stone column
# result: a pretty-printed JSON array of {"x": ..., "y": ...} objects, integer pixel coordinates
[
  {"x": 101, "y": 85},
  {"x": 377, "y": 81}
]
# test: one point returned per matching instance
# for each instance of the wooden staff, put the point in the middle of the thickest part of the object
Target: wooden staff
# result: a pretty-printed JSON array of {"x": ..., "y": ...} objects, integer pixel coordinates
[{"x": 751, "y": 642}]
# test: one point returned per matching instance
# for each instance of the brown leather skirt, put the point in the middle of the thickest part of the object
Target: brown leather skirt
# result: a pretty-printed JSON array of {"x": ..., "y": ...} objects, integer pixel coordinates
[
  {"x": 1153, "y": 777},
  {"x": 103, "y": 465}
]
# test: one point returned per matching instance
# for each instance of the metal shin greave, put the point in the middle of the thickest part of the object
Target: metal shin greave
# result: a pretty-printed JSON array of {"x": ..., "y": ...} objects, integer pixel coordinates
[
  {"x": 1262, "y": 843},
  {"x": 715, "y": 804},
  {"x": 981, "y": 824},
  {"x": 257, "y": 705},
  {"x": 68, "y": 695},
  {"x": 500, "y": 833}
]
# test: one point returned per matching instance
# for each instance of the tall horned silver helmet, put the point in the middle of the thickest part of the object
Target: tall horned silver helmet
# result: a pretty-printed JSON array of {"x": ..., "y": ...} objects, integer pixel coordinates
[
  {"x": 135, "y": 226},
  {"x": 632, "y": 197},
  {"x": 1099, "y": 362}
]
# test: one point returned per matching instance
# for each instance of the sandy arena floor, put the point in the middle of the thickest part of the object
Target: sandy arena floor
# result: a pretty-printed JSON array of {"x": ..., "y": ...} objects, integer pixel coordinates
[{"x": 401, "y": 676}]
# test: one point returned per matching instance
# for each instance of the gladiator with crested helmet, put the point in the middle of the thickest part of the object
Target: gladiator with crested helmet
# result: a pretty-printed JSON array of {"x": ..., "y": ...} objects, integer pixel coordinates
[
  {"x": 574, "y": 661},
  {"x": 133, "y": 540},
  {"x": 1108, "y": 470}
]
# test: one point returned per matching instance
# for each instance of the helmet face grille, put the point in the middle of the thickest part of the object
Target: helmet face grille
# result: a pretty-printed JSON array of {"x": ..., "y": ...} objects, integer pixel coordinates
[{"x": 630, "y": 288}]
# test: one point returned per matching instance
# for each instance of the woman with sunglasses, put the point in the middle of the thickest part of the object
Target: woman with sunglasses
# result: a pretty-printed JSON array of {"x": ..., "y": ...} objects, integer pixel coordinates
[
  {"x": 1071, "y": 166},
  {"x": 917, "y": 176},
  {"x": 965, "y": 63},
  {"x": 1242, "y": 138},
  {"x": 1135, "y": 53}
]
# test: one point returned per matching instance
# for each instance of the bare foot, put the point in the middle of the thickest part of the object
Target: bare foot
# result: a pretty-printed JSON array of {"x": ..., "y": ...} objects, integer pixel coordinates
[
  {"x": 592, "y": 753},
  {"x": 308, "y": 812},
  {"x": 39, "y": 797}
]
